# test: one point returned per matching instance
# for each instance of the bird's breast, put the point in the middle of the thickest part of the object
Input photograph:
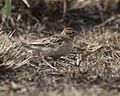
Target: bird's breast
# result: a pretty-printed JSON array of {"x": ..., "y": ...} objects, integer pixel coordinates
[{"x": 58, "y": 51}]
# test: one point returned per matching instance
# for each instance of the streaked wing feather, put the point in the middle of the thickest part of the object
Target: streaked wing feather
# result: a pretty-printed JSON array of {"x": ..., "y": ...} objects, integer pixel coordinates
[{"x": 52, "y": 41}]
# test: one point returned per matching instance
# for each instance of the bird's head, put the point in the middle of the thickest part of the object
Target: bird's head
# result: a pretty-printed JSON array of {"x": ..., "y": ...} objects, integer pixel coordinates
[{"x": 69, "y": 33}]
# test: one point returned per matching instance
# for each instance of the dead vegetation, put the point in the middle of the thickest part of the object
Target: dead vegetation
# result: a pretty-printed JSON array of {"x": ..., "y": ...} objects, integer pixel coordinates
[
  {"x": 91, "y": 68},
  {"x": 12, "y": 54}
]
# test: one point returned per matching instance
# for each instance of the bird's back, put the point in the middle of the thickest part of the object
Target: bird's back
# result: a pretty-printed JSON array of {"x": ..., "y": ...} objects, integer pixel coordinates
[{"x": 54, "y": 46}]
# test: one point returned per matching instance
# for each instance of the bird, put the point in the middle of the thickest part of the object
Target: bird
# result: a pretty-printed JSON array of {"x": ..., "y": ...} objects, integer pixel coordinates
[{"x": 55, "y": 46}]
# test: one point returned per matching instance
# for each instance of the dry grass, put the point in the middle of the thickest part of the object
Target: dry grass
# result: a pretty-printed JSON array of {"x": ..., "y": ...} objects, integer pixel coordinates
[
  {"x": 12, "y": 54},
  {"x": 91, "y": 68}
]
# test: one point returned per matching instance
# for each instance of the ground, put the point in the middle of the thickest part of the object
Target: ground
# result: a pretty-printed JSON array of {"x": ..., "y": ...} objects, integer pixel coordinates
[{"x": 92, "y": 68}]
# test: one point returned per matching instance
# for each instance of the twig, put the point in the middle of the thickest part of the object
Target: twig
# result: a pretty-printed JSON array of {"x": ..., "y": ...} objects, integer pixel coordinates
[
  {"x": 107, "y": 21},
  {"x": 64, "y": 7}
]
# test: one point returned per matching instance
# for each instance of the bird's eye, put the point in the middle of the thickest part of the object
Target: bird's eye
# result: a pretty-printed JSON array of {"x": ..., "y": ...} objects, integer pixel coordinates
[{"x": 71, "y": 34}]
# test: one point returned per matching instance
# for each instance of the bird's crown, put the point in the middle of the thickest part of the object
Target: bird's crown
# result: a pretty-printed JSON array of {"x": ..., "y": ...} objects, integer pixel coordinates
[{"x": 68, "y": 32}]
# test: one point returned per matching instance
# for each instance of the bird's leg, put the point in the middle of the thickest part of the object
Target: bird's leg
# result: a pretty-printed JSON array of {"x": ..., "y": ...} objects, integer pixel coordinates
[
  {"x": 56, "y": 62},
  {"x": 42, "y": 57}
]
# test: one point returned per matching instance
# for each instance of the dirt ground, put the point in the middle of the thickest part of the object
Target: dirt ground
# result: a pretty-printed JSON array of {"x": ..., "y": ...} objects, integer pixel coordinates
[{"x": 92, "y": 68}]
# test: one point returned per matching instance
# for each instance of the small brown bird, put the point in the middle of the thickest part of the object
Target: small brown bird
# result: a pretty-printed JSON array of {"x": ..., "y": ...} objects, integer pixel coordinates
[{"x": 55, "y": 46}]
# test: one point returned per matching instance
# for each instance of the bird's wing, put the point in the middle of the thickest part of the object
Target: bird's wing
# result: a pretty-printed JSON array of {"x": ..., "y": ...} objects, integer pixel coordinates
[{"x": 52, "y": 42}]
